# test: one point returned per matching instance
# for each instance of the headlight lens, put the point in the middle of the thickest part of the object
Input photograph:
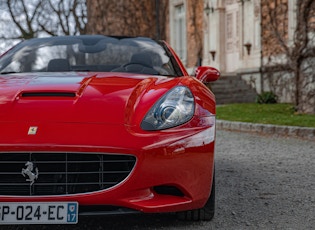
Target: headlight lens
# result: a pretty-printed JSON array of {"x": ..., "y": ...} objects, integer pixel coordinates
[{"x": 175, "y": 108}]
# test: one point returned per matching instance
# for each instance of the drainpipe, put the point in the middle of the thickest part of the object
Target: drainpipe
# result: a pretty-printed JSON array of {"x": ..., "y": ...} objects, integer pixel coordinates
[
  {"x": 243, "y": 33},
  {"x": 261, "y": 52},
  {"x": 157, "y": 11}
]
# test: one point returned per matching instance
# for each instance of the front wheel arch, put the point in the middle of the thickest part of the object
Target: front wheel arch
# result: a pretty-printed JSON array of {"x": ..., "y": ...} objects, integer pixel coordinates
[{"x": 206, "y": 213}]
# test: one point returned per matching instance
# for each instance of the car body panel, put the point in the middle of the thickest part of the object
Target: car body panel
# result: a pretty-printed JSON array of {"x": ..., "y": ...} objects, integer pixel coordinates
[{"x": 101, "y": 112}]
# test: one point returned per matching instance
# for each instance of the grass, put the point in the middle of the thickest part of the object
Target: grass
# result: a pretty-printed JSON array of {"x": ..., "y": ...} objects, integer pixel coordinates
[{"x": 277, "y": 114}]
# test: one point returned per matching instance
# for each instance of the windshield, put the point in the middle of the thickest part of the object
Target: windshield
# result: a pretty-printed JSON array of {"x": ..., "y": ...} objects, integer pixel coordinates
[{"x": 88, "y": 53}]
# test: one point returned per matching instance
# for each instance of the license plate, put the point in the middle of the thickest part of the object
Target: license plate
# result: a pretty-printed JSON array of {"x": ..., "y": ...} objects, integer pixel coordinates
[{"x": 39, "y": 213}]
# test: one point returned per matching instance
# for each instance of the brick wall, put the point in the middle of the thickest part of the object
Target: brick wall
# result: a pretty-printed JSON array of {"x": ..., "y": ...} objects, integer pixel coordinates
[
  {"x": 126, "y": 18},
  {"x": 195, "y": 17},
  {"x": 274, "y": 12}
]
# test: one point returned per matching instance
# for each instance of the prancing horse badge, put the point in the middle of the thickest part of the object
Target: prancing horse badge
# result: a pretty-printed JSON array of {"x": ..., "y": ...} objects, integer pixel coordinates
[{"x": 32, "y": 130}]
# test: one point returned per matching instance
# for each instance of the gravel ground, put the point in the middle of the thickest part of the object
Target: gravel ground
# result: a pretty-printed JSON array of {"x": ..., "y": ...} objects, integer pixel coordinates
[{"x": 263, "y": 182}]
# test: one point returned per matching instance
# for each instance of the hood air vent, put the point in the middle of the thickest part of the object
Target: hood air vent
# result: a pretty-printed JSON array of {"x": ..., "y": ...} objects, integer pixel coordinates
[{"x": 48, "y": 94}]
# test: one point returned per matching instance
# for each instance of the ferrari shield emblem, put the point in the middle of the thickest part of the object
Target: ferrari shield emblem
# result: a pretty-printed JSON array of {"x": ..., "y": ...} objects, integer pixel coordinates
[{"x": 32, "y": 130}]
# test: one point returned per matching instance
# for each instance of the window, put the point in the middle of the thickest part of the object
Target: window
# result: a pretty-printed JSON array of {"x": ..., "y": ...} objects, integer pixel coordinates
[
  {"x": 232, "y": 28},
  {"x": 179, "y": 32}
]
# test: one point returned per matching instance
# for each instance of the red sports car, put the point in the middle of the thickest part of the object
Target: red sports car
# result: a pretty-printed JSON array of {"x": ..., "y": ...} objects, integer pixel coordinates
[{"x": 96, "y": 125}]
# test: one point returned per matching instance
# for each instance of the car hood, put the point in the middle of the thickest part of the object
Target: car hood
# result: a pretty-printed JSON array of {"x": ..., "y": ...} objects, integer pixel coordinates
[{"x": 79, "y": 97}]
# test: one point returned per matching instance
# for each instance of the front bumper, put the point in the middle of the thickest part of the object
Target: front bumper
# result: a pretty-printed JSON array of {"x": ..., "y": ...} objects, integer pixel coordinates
[{"x": 173, "y": 170}]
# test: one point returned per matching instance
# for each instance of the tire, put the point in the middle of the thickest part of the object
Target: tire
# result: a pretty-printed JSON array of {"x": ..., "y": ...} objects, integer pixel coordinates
[{"x": 205, "y": 213}]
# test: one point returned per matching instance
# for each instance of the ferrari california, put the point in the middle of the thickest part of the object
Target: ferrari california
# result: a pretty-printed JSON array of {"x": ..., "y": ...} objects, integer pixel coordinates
[{"x": 97, "y": 125}]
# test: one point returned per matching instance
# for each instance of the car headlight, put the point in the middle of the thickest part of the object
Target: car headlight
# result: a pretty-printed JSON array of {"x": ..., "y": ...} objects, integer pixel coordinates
[{"x": 175, "y": 108}]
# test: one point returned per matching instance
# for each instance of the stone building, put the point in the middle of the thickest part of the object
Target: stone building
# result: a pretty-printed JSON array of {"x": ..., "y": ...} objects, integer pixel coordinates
[
  {"x": 232, "y": 35},
  {"x": 227, "y": 26},
  {"x": 179, "y": 22},
  {"x": 266, "y": 43},
  {"x": 121, "y": 18},
  {"x": 236, "y": 36},
  {"x": 231, "y": 42},
  {"x": 186, "y": 24}
]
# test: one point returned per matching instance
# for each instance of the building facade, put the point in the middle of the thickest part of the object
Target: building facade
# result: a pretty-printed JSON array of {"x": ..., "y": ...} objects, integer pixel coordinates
[
  {"x": 241, "y": 38},
  {"x": 245, "y": 38},
  {"x": 186, "y": 31},
  {"x": 232, "y": 32},
  {"x": 233, "y": 37}
]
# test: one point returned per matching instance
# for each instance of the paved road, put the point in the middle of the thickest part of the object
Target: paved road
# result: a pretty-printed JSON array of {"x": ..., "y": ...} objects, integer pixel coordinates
[{"x": 262, "y": 183}]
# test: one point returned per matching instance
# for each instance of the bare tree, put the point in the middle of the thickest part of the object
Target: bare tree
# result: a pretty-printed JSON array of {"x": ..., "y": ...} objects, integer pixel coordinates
[
  {"x": 63, "y": 17},
  {"x": 22, "y": 18},
  {"x": 289, "y": 64},
  {"x": 29, "y": 19}
]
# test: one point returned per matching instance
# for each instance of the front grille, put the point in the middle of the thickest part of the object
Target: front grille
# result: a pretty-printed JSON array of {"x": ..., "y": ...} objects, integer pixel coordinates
[{"x": 61, "y": 173}]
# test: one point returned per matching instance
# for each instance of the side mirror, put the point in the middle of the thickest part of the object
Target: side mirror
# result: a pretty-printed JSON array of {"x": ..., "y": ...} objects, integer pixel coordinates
[{"x": 207, "y": 74}]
